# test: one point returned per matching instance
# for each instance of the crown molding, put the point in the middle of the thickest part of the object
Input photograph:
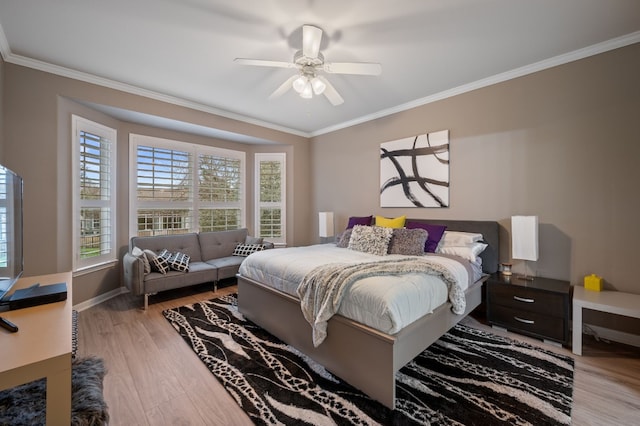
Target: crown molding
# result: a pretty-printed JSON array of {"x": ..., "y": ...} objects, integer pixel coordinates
[
  {"x": 12, "y": 58},
  {"x": 566, "y": 58}
]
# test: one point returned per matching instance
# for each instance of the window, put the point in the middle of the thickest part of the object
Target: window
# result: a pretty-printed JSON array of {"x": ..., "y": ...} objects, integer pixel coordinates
[
  {"x": 180, "y": 187},
  {"x": 94, "y": 201},
  {"x": 270, "y": 197}
]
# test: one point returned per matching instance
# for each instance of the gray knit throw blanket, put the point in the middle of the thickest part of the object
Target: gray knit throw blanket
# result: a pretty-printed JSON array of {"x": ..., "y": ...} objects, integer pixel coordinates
[{"x": 322, "y": 290}]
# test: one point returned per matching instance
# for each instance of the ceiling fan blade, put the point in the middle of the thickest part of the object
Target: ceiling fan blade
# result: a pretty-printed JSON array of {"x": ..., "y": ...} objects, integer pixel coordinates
[
  {"x": 284, "y": 87},
  {"x": 263, "y": 63},
  {"x": 311, "y": 38},
  {"x": 360, "y": 68},
  {"x": 331, "y": 93}
]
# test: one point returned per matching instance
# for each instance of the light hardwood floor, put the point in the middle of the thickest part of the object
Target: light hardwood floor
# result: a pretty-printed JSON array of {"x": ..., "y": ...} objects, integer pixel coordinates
[{"x": 154, "y": 378}]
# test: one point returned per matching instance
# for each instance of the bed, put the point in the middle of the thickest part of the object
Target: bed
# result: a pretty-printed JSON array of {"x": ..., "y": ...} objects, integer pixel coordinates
[{"x": 361, "y": 355}]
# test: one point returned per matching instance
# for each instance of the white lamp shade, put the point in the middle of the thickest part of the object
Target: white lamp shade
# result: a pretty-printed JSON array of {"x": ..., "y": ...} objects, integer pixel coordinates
[
  {"x": 318, "y": 85},
  {"x": 299, "y": 83},
  {"x": 307, "y": 92},
  {"x": 524, "y": 237},
  {"x": 326, "y": 224}
]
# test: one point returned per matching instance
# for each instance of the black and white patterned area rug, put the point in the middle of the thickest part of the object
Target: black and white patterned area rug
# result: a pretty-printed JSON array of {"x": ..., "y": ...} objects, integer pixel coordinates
[{"x": 467, "y": 377}]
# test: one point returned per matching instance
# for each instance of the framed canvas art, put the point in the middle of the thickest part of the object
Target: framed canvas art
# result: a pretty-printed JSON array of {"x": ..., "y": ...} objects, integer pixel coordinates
[{"x": 414, "y": 172}]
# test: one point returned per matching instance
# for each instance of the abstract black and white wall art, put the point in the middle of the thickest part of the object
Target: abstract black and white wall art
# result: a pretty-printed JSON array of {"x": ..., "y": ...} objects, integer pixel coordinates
[{"x": 414, "y": 172}]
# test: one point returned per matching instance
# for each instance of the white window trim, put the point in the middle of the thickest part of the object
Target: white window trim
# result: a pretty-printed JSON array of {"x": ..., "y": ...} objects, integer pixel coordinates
[
  {"x": 79, "y": 124},
  {"x": 282, "y": 158},
  {"x": 135, "y": 140}
]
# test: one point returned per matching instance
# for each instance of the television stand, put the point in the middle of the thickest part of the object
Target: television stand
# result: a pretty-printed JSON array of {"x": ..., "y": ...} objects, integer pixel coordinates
[{"x": 42, "y": 348}]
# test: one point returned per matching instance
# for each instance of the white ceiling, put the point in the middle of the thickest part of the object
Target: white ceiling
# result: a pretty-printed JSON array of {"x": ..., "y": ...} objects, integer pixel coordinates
[{"x": 182, "y": 51}]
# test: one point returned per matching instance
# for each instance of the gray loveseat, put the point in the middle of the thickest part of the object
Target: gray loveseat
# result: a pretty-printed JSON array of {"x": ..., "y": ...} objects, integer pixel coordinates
[{"x": 211, "y": 259}]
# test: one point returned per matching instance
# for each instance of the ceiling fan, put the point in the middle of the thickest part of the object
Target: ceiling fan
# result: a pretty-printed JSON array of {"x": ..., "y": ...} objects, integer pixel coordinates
[{"x": 309, "y": 62}]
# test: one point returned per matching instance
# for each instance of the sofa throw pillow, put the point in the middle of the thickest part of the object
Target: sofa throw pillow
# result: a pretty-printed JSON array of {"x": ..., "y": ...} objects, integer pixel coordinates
[
  {"x": 158, "y": 263},
  {"x": 179, "y": 262},
  {"x": 245, "y": 250},
  {"x": 409, "y": 242},
  {"x": 137, "y": 252},
  {"x": 370, "y": 239},
  {"x": 253, "y": 240}
]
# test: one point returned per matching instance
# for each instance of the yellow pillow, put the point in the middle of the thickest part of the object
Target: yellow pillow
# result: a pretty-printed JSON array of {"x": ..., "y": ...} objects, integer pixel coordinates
[{"x": 396, "y": 222}]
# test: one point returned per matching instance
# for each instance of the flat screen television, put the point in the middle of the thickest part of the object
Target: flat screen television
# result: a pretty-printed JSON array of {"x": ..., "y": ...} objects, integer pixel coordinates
[{"x": 11, "y": 261}]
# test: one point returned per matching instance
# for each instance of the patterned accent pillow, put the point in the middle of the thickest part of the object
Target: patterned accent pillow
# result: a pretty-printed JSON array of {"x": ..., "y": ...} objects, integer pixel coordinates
[
  {"x": 343, "y": 240},
  {"x": 179, "y": 262},
  {"x": 370, "y": 239},
  {"x": 409, "y": 242},
  {"x": 159, "y": 262},
  {"x": 245, "y": 250},
  {"x": 142, "y": 256}
]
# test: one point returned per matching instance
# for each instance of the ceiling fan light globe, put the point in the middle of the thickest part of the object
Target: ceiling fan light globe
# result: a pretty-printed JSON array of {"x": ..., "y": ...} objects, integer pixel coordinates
[
  {"x": 299, "y": 84},
  {"x": 318, "y": 85},
  {"x": 307, "y": 92}
]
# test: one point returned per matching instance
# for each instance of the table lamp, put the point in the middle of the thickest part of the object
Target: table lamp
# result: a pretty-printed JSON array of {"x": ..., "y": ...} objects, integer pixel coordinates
[{"x": 524, "y": 241}]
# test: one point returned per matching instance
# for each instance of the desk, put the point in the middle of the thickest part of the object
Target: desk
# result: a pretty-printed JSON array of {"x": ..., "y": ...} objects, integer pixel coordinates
[
  {"x": 614, "y": 302},
  {"x": 41, "y": 348}
]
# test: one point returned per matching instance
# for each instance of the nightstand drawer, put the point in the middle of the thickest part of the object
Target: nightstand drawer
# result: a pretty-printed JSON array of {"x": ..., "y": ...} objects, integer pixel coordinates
[
  {"x": 537, "y": 324},
  {"x": 530, "y": 300}
]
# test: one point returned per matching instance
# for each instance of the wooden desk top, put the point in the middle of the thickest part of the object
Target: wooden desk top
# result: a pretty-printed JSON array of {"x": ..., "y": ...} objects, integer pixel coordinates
[{"x": 44, "y": 330}]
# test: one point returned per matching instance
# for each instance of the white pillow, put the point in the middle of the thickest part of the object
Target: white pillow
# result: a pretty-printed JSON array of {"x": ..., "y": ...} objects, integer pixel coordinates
[
  {"x": 457, "y": 238},
  {"x": 140, "y": 255},
  {"x": 469, "y": 251}
]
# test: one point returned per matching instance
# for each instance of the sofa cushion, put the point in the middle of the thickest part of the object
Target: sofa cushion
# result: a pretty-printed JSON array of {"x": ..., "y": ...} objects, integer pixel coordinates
[
  {"x": 227, "y": 266},
  {"x": 199, "y": 272},
  {"x": 217, "y": 244}
]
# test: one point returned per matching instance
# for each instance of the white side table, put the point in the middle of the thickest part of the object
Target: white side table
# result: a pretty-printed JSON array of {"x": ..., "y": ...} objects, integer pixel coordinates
[{"x": 614, "y": 302}]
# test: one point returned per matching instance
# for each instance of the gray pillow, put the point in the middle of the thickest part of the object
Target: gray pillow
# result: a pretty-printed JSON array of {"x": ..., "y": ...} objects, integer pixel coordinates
[
  {"x": 409, "y": 242},
  {"x": 343, "y": 240},
  {"x": 253, "y": 240},
  {"x": 370, "y": 239}
]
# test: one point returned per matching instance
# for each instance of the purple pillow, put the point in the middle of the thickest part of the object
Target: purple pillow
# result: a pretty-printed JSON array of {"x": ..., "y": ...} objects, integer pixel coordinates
[
  {"x": 355, "y": 220},
  {"x": 435, "y": 233}
]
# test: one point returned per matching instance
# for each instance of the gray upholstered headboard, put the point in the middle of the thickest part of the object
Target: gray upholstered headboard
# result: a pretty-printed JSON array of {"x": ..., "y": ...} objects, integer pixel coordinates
[{"x": 488, "y": 229}]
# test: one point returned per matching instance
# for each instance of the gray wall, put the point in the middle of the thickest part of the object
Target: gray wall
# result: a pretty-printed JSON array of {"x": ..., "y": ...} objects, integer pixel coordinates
[
  {"x": 37, "y": 144},
  {"x": 562, "y": 144}
]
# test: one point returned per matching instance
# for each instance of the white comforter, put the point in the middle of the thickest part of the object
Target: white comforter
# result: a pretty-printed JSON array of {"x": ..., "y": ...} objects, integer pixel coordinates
[{"x": 385, "y": 303}]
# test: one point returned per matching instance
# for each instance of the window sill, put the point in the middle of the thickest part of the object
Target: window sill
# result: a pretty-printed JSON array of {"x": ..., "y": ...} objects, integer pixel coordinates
[{"x": 94, "y": 268}]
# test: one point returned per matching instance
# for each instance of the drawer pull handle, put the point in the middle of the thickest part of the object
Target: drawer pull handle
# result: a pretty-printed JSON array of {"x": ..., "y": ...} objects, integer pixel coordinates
[
  {"x": 526, "y": 321},
  {"x": 522, "y": 299}
]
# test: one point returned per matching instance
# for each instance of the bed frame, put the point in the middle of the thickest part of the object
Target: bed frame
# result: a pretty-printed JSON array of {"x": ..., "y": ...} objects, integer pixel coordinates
[{"x": 360, "y": 355}]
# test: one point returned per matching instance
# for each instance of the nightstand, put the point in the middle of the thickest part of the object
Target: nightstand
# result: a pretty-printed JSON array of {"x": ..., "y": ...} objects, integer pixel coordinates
[{"x": 538, "y": 308}]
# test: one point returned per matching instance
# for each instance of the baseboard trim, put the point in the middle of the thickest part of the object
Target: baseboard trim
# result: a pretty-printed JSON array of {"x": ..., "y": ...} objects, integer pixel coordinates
[
  {"x": 99, "y": 299},
  {"x": 610, "y": 334}
]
